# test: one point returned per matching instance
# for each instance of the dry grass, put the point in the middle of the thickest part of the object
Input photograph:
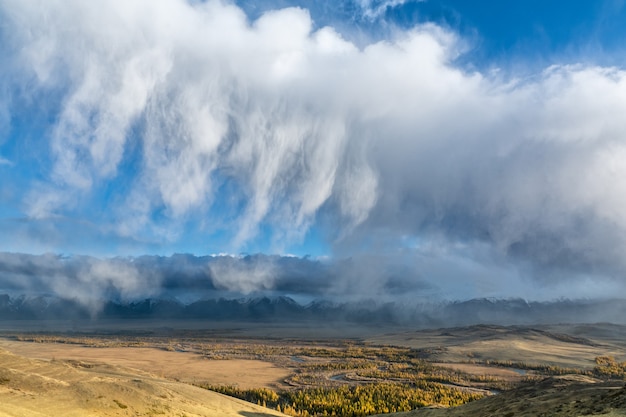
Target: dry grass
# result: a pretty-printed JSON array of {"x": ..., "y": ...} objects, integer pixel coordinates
[
  {"x": 556, "y": 397},
  {"x": 542, "y": 351},
  {"x": 180, "y": 366},
  {"x": 505, "y": 374},
  {"x": 35, "y": 388},
  {"x": 565, "y": 346},
  {"x": 140, "y": 370}
]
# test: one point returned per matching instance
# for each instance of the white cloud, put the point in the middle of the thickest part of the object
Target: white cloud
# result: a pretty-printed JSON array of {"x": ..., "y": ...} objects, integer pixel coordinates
[
  {"x": 392, "y": 137},
  {"x": 373, "y": 9},
  {"x": 90, "y": 281},
  {"x": 243, "y": 275},
  {"x": 272, "y": 105}
]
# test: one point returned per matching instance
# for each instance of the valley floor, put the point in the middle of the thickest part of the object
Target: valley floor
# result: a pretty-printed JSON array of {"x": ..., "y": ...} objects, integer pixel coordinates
[{"x": 575, "y": 369}]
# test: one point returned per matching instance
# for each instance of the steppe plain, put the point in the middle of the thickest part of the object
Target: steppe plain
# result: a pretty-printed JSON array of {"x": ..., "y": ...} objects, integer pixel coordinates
[{"x": 144, "y": 369}]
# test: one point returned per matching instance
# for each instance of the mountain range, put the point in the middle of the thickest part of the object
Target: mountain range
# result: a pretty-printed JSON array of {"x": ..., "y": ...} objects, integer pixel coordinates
[{"x": 285, "y": 309}]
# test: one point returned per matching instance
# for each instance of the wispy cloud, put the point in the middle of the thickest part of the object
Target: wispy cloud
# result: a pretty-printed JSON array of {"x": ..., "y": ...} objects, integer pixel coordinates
[
  {"x": 272, "y": 125},
  {"x": 373, "y": 9}
]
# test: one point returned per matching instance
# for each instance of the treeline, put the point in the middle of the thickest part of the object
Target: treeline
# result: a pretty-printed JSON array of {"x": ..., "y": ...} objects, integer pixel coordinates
[
  {"x": 343, "y": 365},
  {"x": 607, "y": 366},
  {"x": 352, "y": 401},
  {"x": 543, "y": 369},
  {"x": 413, "y": 372}
]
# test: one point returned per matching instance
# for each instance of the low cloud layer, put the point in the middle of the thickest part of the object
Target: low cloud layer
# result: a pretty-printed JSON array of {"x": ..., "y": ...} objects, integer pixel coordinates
[
  {"x": 173, "y": 115},
  {"x": 92, "y": 281},
  {"x": 404, "y": 281}
]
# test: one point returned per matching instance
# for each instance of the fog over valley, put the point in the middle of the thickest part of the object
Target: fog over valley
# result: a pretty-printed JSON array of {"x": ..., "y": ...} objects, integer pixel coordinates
[{"x": 266, "y": 288}]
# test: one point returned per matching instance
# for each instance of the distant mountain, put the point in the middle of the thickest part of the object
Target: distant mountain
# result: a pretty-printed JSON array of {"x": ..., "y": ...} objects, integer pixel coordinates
[
  {"x": 519, "y": 311},
  {"x": 285, "y": 309}
]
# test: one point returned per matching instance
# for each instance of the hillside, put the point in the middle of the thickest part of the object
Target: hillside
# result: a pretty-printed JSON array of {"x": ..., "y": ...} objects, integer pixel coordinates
[
  {"x": 37, "y": 388},
  {"x": 555, "y": 396}
]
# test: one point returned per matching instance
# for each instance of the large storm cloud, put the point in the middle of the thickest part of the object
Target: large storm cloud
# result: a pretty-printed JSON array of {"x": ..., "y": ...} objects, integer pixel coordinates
[{"x": 178, "y": 113}]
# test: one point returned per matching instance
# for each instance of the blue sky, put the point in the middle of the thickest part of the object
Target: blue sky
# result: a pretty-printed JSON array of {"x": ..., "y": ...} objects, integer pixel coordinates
[
  {"x": 458, "y": 137},
  {"x": 536, "y": 32},
  {"x": 499, "y": 34}
]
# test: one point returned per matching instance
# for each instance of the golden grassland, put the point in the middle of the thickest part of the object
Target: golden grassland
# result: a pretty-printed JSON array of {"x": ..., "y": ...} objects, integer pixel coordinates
[
  {"x": 559, "y": 396},
  {"x": 37, "y": 388},
  {"x": 357, "y": 377}
]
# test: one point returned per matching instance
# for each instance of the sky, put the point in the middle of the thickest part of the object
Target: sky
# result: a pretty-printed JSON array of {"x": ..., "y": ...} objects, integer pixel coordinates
[{"x": 462, "y": 148}]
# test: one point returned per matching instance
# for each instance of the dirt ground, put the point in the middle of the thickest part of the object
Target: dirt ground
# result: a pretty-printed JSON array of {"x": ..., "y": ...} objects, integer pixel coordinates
[{"x": 180, "y": 366}]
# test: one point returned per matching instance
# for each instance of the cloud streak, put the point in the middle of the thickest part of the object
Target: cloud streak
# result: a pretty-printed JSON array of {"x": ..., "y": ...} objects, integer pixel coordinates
[
  {"x": 374, "y": 9},
  {"x": 208, "y": 118}
]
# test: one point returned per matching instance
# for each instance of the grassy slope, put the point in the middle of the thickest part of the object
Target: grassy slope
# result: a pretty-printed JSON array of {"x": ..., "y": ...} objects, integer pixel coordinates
[
  {"x": 556, "y": 396},
  {"x": 35, "y": 388}
]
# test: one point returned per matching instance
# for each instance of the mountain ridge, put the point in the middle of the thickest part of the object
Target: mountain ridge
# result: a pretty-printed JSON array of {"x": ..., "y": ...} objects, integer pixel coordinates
[{"x": 284, "y": 308}]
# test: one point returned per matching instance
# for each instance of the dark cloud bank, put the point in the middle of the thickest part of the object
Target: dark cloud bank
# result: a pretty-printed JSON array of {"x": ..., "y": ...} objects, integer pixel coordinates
[{"x": 253, "y": 288}]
